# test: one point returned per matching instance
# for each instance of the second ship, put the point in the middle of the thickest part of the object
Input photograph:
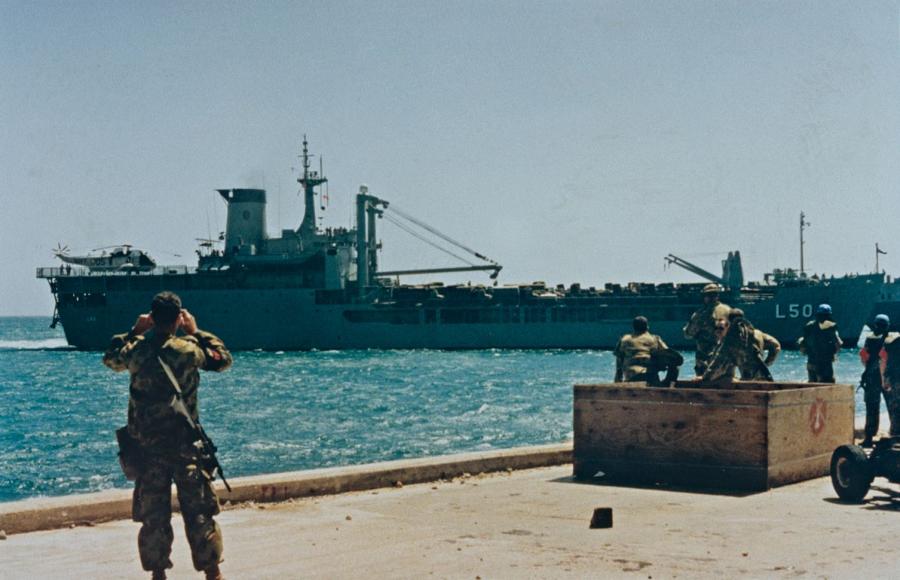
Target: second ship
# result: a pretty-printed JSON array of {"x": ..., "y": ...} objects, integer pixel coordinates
[{"x": 314, "y": 288}]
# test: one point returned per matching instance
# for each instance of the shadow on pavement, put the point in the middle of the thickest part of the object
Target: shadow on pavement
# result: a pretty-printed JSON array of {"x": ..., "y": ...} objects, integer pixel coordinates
[
  {"x": 658, "y": 487},
  {"x": 889, "y": 501}
]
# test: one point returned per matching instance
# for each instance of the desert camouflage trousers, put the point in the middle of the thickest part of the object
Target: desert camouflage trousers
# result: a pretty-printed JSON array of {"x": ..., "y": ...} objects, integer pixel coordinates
[
  {"x": 704, "y": 355},
  {"x": 151, "y": 506}
]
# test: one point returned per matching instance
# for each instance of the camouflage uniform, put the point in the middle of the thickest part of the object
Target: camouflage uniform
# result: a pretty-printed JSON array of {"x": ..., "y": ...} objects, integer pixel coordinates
[
  {"x": 738, "y": 349},
  {"x": 165, "y": 442},
  {"x": 820, "y": 343},
  {"x": 702, "y": 327},
  {"x": 633, "y": 355},
  {"x": 891, "y": 380}
]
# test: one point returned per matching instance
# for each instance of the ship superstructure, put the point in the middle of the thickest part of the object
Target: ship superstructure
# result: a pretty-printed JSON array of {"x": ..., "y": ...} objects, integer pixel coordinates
[{"x": 314, "y": 288}]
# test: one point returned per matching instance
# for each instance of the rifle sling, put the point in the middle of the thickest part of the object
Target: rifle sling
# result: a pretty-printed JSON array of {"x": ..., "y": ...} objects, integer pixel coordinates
[
  {"x": 187, "y": 415},
  {"x": 181, "y": 409}
]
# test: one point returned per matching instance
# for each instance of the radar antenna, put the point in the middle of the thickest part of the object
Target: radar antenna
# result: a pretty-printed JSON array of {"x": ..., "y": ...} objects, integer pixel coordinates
[
  {"x": 878, "y": 251},
  {"x": 803, "y": 225},
  {"x": 310, "y": 180}
]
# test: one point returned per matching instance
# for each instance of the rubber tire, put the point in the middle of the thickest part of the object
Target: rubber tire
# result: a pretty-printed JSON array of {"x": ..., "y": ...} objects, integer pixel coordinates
[{"x": 851, "y": 474}]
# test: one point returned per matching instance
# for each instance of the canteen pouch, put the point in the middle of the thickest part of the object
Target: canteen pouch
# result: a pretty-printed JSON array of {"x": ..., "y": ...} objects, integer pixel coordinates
[{"x": 130, "y": 456}]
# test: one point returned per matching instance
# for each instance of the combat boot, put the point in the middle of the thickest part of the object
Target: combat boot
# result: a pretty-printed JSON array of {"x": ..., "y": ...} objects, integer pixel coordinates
[
  {"x": 213, "y": 573},
  {"x": 159, "y": 575},
  {"x": 867, "y": 442}
]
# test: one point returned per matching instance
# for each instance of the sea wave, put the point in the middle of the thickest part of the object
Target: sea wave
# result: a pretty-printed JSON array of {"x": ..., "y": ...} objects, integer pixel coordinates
[
  {"x": 47, "y": 344},
  {"x": 300, "y": 410}
]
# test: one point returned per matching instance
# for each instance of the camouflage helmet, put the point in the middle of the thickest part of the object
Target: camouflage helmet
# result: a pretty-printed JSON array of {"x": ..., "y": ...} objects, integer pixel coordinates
[{"x": 711, "y": 289}]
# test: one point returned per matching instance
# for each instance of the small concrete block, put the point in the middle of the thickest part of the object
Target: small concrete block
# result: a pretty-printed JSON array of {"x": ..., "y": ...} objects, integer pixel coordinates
[
  {"x": 602, "y": 518},
  {"x": 2, "y": 534}
]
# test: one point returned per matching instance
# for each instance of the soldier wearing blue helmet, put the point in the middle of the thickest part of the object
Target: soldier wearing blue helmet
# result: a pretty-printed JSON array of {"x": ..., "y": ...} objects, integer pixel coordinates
[
  {"x": 890, "y": 378},
  {"x": 821, "y": 343},
  {"x": 875, "y": 385}
]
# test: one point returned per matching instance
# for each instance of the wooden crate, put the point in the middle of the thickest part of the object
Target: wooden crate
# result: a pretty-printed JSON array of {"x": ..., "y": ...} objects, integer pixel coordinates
[{"x": 750, "y": 436}]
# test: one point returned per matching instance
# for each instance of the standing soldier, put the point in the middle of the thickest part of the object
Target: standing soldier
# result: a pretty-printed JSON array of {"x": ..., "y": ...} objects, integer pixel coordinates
[
  {"x": 871, "y": 377},
  {"x": 166, "y": 447},
  {"x": 640, "y": 356},
  {"x": 820, "y": 343},
  {"x": 891, "y": 380},
  {"x": 738, "y": 348},
  {"x": 702, "y": 325}
]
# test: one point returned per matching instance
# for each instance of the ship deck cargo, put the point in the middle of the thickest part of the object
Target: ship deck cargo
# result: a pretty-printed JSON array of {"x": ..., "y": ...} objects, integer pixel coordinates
[{"x": 751, "y": 436}]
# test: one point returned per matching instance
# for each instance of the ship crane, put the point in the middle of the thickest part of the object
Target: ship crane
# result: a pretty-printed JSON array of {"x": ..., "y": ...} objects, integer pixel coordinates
[
  {"x": 732, "y": 271},
  {"x": 408, "y": 223},
  {"x": 491, "y": 266},
  {"x": 495, "y": 269},
  {"x": 694, "y": 269}
]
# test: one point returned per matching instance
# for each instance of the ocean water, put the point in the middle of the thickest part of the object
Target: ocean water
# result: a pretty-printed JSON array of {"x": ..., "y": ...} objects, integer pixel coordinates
[{"x": 283, "y": 411}]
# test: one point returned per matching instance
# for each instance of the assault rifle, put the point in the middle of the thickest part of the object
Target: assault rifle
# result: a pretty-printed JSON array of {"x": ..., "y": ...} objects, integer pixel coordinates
[
  {"x": 205, "y": 446},
  {"x": 871, "y": 375}
]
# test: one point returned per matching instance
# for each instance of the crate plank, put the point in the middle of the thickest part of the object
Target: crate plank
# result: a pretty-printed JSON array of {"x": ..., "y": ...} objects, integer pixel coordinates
[{"x": 748, "y": 436}]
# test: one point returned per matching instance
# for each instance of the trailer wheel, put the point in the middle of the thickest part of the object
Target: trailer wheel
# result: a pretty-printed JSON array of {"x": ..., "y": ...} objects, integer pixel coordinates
[{"x": 851, "y": 474}]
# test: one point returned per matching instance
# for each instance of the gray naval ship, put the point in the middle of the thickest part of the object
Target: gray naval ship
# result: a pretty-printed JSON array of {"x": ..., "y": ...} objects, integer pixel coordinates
[
  {"x": 314, "y": 288},
  {"x": 888, "y": 302}
]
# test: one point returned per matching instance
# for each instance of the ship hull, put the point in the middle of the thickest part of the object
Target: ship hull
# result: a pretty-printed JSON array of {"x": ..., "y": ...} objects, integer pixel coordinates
[
  {"x": 888, "y": 303},
  {"x": 784, "y": 315},
  {"x": 93, "y": 308}
]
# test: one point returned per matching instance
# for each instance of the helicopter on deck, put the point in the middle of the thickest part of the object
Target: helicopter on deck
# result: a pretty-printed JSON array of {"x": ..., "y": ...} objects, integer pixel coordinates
[{"x": 123, "y": 257}]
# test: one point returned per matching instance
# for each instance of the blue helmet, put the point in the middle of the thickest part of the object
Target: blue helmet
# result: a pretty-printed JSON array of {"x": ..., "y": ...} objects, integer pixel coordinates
[
  {"x": 823, "y": 309},
  {"x": 882, "y": 320}
]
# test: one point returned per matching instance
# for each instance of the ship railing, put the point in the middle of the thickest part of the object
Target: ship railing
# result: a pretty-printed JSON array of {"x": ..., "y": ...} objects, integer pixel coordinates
[{"x": 66, "y": 271}]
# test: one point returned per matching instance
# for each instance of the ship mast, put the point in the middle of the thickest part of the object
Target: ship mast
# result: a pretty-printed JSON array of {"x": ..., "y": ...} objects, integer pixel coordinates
[
  {"x": 803, "y": 225},
  {"x": 310, "y": 180}
]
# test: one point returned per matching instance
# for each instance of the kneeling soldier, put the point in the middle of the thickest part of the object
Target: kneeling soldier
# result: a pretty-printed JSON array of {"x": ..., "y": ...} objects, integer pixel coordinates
[{"x": 641, "y": 356}]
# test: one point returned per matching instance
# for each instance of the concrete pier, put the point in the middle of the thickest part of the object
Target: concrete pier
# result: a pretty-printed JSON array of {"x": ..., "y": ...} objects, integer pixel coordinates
[
  {"x": 528, "y": 523},
  {"x": 93, "y": 508}
]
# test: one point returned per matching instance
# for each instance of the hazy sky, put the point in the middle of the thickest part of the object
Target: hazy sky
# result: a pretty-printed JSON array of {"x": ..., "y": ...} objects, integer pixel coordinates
[{"x": 570, "y": 141}]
